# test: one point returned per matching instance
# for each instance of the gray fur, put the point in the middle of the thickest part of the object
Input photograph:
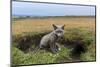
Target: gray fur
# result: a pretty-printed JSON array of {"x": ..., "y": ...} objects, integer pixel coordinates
[{"x": 52, "y": 38}]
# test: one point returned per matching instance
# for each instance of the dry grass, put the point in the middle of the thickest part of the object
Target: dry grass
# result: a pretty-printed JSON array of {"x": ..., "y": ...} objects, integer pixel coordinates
[{"x": 38, "y": 25}]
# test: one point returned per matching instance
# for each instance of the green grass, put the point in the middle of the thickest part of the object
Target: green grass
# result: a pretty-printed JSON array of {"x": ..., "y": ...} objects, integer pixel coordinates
[
  {"x": 90, "y": 54},
  {"x": 46, "y": 57},
  {"x": 40, "y": 57}
]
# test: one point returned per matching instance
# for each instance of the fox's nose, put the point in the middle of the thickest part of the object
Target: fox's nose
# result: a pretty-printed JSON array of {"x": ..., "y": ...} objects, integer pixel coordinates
[{"x": 59, "y": 35}]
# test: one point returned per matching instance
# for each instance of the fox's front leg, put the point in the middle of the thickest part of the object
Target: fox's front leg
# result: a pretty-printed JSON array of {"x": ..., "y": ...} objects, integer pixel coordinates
[
  {"x": 53, "y": 48},
  {"x": 57, "y": 47}
]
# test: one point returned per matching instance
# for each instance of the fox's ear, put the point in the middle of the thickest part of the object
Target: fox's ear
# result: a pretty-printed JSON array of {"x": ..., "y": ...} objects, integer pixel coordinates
[
  {"x": 63, "y": 26},
  {"x": 54, "y": 26}
]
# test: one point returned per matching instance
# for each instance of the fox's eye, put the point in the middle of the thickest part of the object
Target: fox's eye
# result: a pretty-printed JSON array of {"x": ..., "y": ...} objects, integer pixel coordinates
[{"x": 59, "y": 31}]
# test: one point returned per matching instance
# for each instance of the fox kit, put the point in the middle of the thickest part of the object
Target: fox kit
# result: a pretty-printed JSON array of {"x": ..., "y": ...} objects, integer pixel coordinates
[{"x": 52, "y": 38}]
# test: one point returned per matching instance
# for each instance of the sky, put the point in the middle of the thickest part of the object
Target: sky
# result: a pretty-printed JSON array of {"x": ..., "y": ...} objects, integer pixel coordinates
[{"x": 44, "y": 9}]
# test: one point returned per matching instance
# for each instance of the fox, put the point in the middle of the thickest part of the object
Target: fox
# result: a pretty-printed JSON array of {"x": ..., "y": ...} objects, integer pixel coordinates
[{"x": 50, "y": 40}]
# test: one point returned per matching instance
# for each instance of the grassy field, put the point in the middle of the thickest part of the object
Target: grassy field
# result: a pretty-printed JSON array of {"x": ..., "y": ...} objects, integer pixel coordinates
[
  {"x": 38, "y": 25},
  {"x": 31, "y": 30}
]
